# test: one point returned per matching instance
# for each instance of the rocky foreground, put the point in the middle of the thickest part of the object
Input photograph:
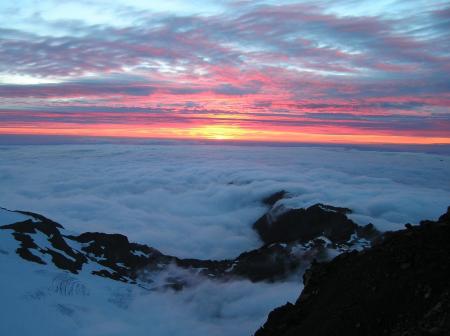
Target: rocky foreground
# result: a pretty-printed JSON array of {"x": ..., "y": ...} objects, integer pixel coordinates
[{"x": 400, "y": 286}]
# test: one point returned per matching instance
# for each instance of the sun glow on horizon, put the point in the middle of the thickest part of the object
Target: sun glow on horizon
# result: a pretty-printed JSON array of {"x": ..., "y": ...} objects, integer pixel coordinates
[
  {"x": 220, "y": 132},
  {"x": 217, "y": 132}
]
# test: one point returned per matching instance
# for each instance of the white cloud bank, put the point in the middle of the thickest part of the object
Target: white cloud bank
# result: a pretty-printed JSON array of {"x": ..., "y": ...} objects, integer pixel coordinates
[
  {"x": 190, "y": 201},
  {"x": 200, "y": 200}
]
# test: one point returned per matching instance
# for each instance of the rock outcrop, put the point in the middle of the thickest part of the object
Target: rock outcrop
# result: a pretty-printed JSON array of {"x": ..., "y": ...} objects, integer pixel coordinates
[
  {"x": 281, "y": 225},
  {"x": 400, "y": 286}
]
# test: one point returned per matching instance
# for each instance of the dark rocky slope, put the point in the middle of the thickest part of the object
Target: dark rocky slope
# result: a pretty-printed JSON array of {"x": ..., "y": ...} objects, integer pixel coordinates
[
  {"x": 400, "y": 286},
  {"x": 286, "y": 225}
]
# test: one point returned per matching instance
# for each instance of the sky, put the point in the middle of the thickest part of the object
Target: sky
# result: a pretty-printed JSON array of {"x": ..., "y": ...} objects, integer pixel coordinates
[{"x": 342, "y": 71}]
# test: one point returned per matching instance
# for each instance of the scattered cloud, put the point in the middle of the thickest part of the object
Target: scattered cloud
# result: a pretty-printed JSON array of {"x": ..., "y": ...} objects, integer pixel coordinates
[{"x": 300, "y": 57}]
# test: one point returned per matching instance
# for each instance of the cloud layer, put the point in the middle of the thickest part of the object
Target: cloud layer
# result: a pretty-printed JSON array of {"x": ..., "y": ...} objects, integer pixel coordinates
[{"x": 201, "y": 200}]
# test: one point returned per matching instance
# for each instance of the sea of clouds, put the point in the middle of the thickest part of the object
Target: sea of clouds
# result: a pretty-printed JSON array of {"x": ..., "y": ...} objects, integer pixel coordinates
[
  {"x": 201, "y": 200},
  {"x": 195, "y": 201}
]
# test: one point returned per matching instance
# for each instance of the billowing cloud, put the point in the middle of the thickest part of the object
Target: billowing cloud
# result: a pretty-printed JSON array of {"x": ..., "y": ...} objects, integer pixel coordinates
[{"x": 159, "y": 194}]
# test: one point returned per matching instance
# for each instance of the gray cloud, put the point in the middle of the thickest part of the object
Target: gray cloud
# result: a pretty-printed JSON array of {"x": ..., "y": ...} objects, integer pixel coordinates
[{"x": 228, "y": 89}]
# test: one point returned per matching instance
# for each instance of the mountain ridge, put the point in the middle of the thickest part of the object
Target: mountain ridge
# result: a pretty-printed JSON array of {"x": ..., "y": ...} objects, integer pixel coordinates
[{"x": 119, "y": 259}]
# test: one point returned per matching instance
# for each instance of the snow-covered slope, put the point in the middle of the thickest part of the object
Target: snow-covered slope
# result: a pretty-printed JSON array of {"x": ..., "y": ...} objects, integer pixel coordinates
[{"x": 44, "y": 299}]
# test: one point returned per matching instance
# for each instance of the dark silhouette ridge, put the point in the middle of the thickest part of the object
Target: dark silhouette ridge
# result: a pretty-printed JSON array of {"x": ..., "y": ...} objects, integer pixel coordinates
[{"x": 400, "y": 286}]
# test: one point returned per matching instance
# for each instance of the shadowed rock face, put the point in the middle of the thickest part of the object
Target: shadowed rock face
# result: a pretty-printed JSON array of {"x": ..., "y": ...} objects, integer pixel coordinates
[
  {"x": 400, "y": 286},
  {"x": 63, "y": 256},
  {"x": 305, "y": 224}
]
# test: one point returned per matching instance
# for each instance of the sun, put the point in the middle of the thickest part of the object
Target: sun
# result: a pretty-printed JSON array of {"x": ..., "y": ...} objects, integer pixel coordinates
[
  {"x": 220, "y": 137},
  {"x": 218, "y": 132}
]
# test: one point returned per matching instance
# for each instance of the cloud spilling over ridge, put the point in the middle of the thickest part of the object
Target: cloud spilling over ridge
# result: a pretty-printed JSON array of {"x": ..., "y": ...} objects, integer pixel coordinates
[{"x": 200, "y": 201}]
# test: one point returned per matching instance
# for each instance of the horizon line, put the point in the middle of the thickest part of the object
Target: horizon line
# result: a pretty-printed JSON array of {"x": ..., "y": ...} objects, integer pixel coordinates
[{"x": 56, "y": 139}]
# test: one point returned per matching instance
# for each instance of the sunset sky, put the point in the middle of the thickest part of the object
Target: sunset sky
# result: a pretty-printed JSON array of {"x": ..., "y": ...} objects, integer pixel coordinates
[{"x": 345, "y": 71}]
